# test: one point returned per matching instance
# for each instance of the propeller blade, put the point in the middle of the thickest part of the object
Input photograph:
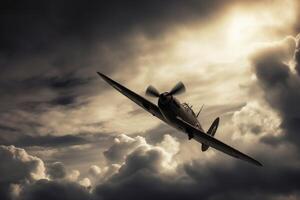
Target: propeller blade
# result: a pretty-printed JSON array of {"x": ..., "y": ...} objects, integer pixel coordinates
[
  {"x": 152, "y": 91},
  {"x": 177, "y": 89}
]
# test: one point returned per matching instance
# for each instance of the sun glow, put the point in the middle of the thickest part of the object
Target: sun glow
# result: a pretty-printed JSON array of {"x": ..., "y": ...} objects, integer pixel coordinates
[{"x": 241, "y": 28}]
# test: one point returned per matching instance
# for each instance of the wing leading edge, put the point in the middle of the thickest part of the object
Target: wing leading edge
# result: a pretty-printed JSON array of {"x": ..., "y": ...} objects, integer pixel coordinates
[
  {"x": 145, "y": 104},
  {"x": 202, "y": 137}
]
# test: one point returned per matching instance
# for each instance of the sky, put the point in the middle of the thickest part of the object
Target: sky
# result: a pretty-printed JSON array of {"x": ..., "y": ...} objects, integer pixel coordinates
[{"x": 66, "y": 134}]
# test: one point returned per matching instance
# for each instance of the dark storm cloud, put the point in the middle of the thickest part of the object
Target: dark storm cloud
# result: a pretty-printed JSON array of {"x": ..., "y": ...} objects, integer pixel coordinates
[
  {"x": 23, "y": 140},
  {"x": 65, "y": 141},
  {"x": 50, "y": 140},
  {"x": 64, "y": 100},
  {"x": 244, "y": 180},
  {"x": 44, "y": 189},
  {"x": 65, "y": 32},
  {"x": 41, "y": 90},
  {"x": 54, "y": 82},
  {"x": 280, "y": 84},
  {"x": 7, "y": 128},
  {"x": 43, "y": 43},
  {"x": 205, "y": 182},
  {"x": 36, "y": 27},
  {"x": 4, "y": 192},
  {"x": 269, "y": 62}
]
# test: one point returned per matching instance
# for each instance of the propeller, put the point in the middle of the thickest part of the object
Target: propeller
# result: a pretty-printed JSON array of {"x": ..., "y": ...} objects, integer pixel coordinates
[
  {"x": 179, "y": 88},
  {"x": 152, "y": 91}
]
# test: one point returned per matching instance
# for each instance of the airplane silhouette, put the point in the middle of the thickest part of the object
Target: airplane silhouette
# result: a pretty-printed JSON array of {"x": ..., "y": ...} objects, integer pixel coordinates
[{"x": 180, "y": 116}]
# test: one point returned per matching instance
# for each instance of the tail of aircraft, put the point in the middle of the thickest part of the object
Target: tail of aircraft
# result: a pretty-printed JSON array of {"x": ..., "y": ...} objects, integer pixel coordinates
[{"x": 211, "y": 131}]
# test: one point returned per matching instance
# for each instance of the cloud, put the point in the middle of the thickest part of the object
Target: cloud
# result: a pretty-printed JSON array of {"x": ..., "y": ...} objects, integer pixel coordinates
[
  {"x": 47, "y": 140},
  {"x": 73, "y": 175},
  {"x": 94, "y": 170},
  {"x": 56, "y": 170},
  {"x": 61, "y": 21},
  {"x": 122, "y": 146},
  {"x": 142, "y": 163},
  {"x": 297, "y": 54},
  {"x": 85, "y": 182},
  {"x": 24, "y": 176},
  {"x": 280, "y": 85},
  {"x": 45, "y": 189},
  {"x": 256, "y": 118},
  {"x": 144, "y": 174},
  {"x": 16, "y": 165},
  {"x": 141, "y": 158},
  {"x": 152, "y": 171},
  {"x": 269, "y": 61},
  {"x": 242, "y": 181}
]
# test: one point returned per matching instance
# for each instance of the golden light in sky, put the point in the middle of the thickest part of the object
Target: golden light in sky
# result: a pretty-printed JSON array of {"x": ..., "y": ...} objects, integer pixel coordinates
[{"x": 241, "y": 26}]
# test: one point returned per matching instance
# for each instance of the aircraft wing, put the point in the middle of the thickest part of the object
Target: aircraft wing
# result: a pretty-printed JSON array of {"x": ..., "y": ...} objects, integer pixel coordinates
[
  {"x": 139, "y": 100},
  {"x": 215, "y": 143}
]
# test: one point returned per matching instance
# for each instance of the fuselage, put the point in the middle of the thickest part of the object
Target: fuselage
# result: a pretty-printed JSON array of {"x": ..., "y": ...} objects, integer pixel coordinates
[{"x": 172, "y": 109}]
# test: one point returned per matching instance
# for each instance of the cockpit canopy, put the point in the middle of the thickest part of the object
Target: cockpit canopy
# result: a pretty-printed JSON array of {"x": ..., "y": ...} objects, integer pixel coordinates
[{"x": 188, "y": 108}]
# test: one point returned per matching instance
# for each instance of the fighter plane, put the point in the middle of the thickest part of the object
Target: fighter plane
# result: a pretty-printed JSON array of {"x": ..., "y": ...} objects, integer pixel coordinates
[{"x": 180, "y": 116}]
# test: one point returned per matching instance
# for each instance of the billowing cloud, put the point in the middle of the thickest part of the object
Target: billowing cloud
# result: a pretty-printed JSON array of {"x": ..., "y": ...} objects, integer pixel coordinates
[
  {"x": 24, "y": 176},
  {"x": 153, "y": 171},
  {"x": 270, "y": 60},
  {"x": 16, "y": 168},
  {"x": 122, "y": 146},
  {"x": 142, "y": 175},
  {"x": 253, "y": 117},
  {"x": 16, "y": 165},
  {"x": 280, "y": 83},
  {"x": 94, "y": 170}
]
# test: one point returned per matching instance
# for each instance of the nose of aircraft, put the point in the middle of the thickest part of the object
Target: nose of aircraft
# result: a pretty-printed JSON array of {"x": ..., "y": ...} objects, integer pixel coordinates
[{"x": 164, "y": 98}]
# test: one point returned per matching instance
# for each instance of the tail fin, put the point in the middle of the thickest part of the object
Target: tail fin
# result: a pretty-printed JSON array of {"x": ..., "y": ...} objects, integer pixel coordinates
[{"x": 211, "y": 131}]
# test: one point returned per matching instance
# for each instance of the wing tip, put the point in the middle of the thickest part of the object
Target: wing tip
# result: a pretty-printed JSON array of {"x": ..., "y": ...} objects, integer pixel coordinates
[
  {"x": 101, "y": 75},
  {"x": 259, "y": 164},
  {"x": 255, "y": 162},
  {"x": 104, "y": 77}
]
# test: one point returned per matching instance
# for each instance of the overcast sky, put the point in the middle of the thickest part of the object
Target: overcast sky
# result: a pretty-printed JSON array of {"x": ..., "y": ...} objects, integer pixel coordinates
[{"x": 66, "y": 134}]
